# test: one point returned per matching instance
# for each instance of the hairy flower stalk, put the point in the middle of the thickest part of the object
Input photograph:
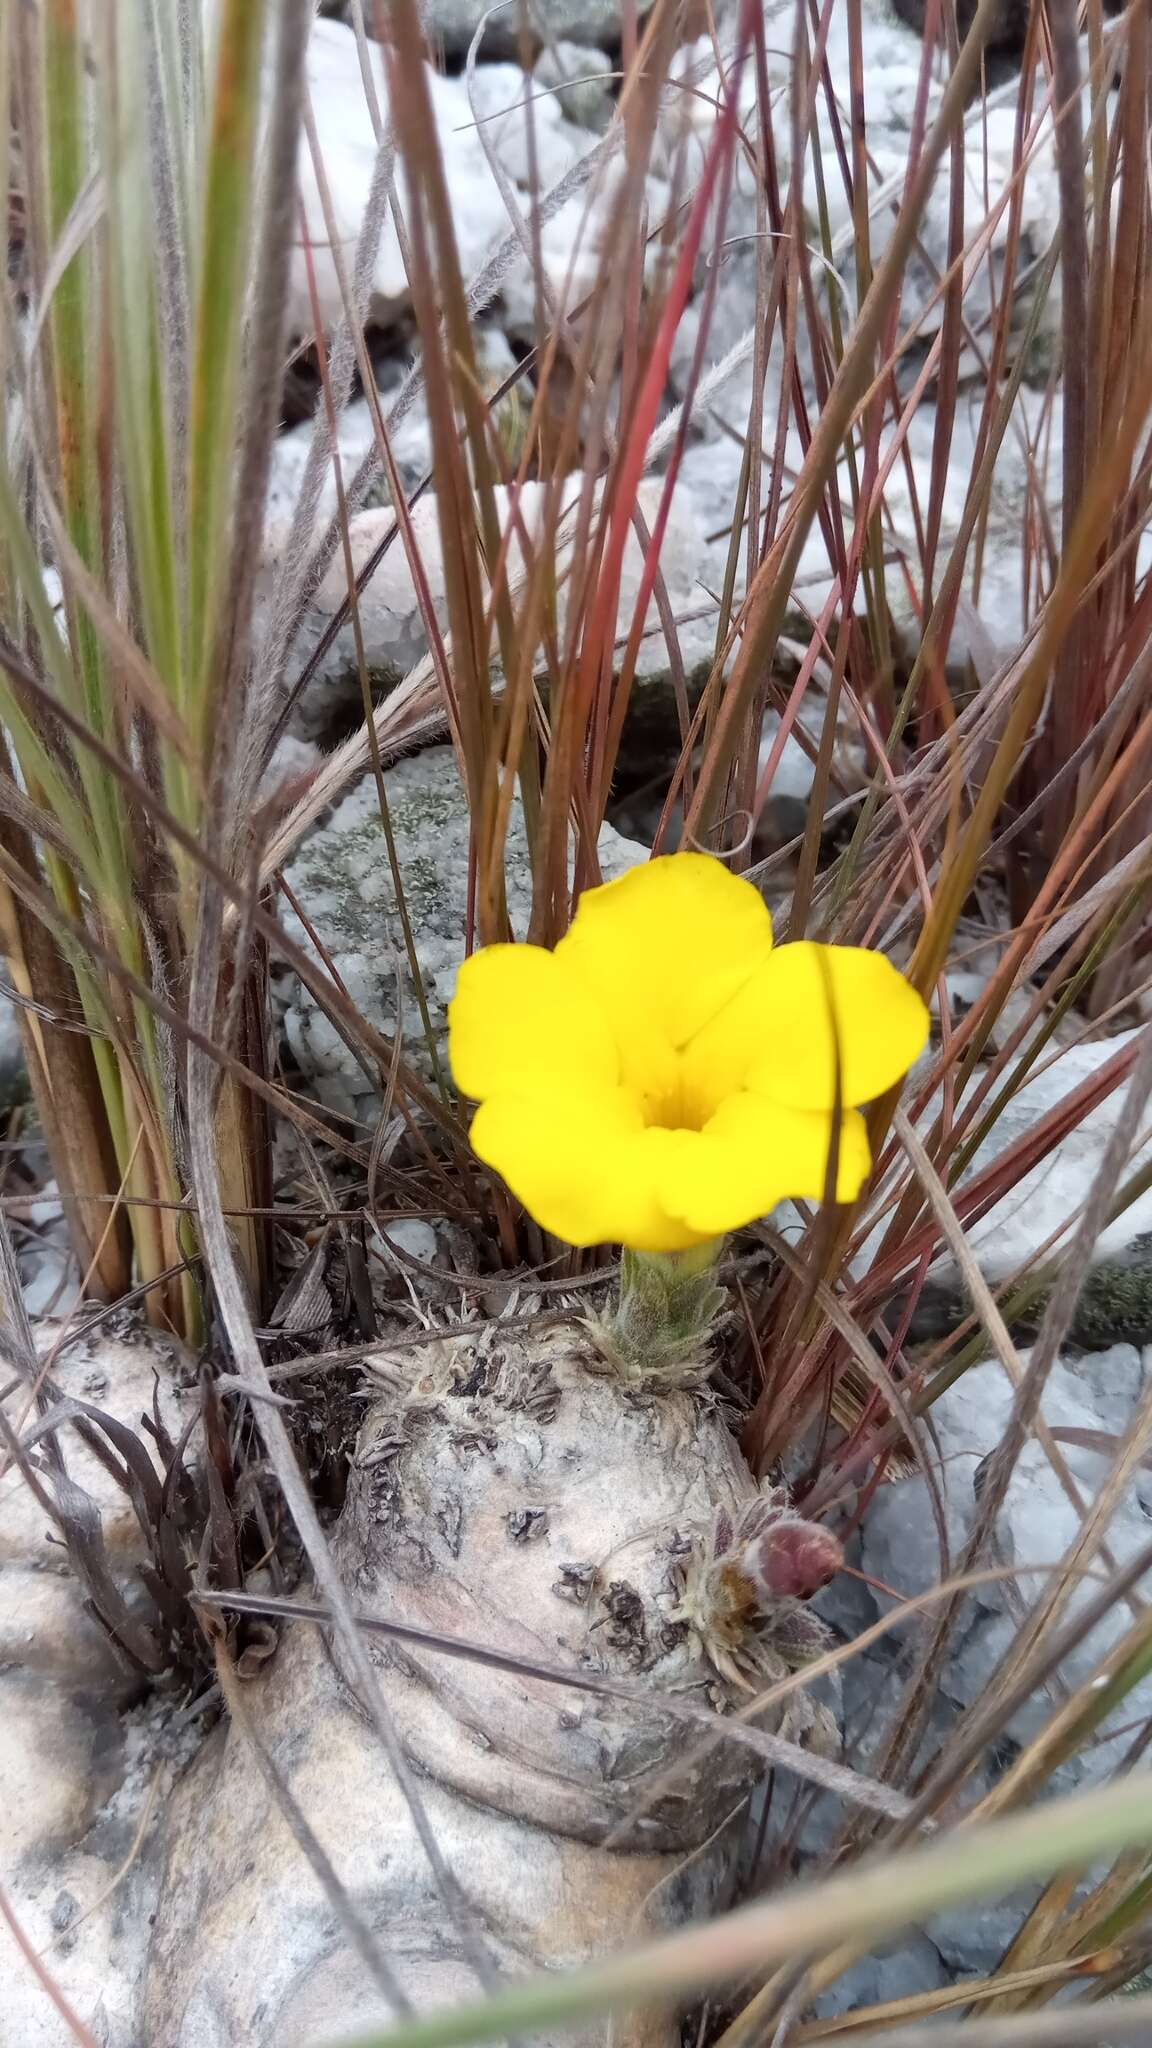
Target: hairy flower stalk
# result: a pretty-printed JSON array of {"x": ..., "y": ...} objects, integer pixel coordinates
[{"x": 657, "y": 1333}]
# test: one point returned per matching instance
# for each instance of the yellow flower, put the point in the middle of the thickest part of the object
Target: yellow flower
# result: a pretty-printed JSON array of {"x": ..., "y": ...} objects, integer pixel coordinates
[{"x": 664, "y": 1075}]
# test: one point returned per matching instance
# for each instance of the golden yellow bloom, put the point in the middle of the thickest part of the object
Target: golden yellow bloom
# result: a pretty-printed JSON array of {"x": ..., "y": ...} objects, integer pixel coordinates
[{"x": 664, "y": 1075}]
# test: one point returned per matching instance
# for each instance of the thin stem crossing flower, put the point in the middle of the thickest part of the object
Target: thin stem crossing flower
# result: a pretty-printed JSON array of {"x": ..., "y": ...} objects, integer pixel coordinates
[{"x": 666, "y": 1074}]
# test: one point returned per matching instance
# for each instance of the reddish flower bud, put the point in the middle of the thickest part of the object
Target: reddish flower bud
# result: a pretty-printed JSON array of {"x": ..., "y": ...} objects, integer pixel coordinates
[{"x": 792, "y": 1560}]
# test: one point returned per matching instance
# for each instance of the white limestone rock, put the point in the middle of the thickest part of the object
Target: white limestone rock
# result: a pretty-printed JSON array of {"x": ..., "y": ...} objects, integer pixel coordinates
[
  {"x": 392, "y": 622},
  {"x": 348, "y": 148},
  {"x": 46, "y": 1628},
  {"x": 1047, "y": 1197},
  {"x": 83, "y": 1791}
]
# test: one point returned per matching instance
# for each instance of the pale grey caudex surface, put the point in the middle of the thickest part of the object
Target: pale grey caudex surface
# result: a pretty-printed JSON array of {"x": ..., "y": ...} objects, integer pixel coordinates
[{"x": 500, "y": 1489}]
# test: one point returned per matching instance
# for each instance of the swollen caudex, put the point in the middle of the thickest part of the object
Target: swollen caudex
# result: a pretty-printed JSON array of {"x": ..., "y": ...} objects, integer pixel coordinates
[{"x": 509, "y": 1488}]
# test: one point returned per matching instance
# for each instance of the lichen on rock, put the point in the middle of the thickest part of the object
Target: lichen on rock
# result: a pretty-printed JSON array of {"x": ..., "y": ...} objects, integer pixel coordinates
[{"x": 343, "y": 882}]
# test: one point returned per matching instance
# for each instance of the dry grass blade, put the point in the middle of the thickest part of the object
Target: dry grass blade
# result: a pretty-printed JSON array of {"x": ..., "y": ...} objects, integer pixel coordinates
[
  {"x": 974, "y": 1992},
  {"x": 1100, "y": 2027},
  {"x": 241, "y": 1336}
]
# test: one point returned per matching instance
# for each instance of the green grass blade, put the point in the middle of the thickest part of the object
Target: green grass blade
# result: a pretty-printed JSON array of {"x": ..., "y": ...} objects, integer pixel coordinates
[
  {"x": 141, "y": 400},
  {"x": 225, "y": 230}
]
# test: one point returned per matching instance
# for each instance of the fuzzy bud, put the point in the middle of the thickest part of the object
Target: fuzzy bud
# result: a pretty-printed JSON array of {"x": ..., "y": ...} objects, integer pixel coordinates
[{"x": 792, "y": 1560}]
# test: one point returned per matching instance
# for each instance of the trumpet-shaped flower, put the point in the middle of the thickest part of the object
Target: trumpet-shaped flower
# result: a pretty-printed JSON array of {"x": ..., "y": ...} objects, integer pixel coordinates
[{"x": 665, "y": 1074}]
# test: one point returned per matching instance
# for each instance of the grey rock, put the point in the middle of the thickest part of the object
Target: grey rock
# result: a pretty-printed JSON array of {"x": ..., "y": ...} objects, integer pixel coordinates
[
  {"x": 49, "y": 1273},
  {"x": 453, "y": 23},
  {"x": 914, "y": 1966},
  {"x": 392, "y": 622},
  {"x": 79, "y": 1759},
  {"x": 121, "y": 1378},
  {"x": 74, "y": 1779},
  {"x": 580, "y": 77},
  {"x": 972, "y": 1940},
  {"x": 893, "y": 58},
  {"x": 45, "y": 1630},
  {"x": 1037, "y": 1525},
  {"x": 525, "y": 126},
  {"x": 348, "y": 148},
  {"x": 411, "y": 1236},
  {"x": 1043, "y": 1200},
  {"x": 1115, "y": 1304},
  {"x": 51, "y": 1780},
  {"x": 986, "y": 630},
  {"x": 1089, "y": 1401},
  {"x": 1112, "y": 1381},
  {"x": 45, "y": 1626},
  {"x": 343, "y": 881},
  {"x": 410, "y": 441},
  {"x": 495, "y": 96}
]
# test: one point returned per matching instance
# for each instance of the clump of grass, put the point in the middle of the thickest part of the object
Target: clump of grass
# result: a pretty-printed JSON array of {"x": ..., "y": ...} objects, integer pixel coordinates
[{"x": 125, "y": 377}]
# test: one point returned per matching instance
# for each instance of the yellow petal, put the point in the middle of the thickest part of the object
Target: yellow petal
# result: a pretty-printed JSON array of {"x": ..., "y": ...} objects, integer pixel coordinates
[
  {"x": 806, "y": 1008},
  {"x": 666, "y": 946},
  {"x": 518, "y": 1021},
  {"x": 583, "y": 1165},
  {"x": 753, "y": 1154}
]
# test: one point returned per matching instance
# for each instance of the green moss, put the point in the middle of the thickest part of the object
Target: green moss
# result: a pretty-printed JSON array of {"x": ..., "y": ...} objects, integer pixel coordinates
[
  {"x": 15, "y": 1089},
  {"x": 423, "y": 888},
  {"x": 1115, "y": 1305}
]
